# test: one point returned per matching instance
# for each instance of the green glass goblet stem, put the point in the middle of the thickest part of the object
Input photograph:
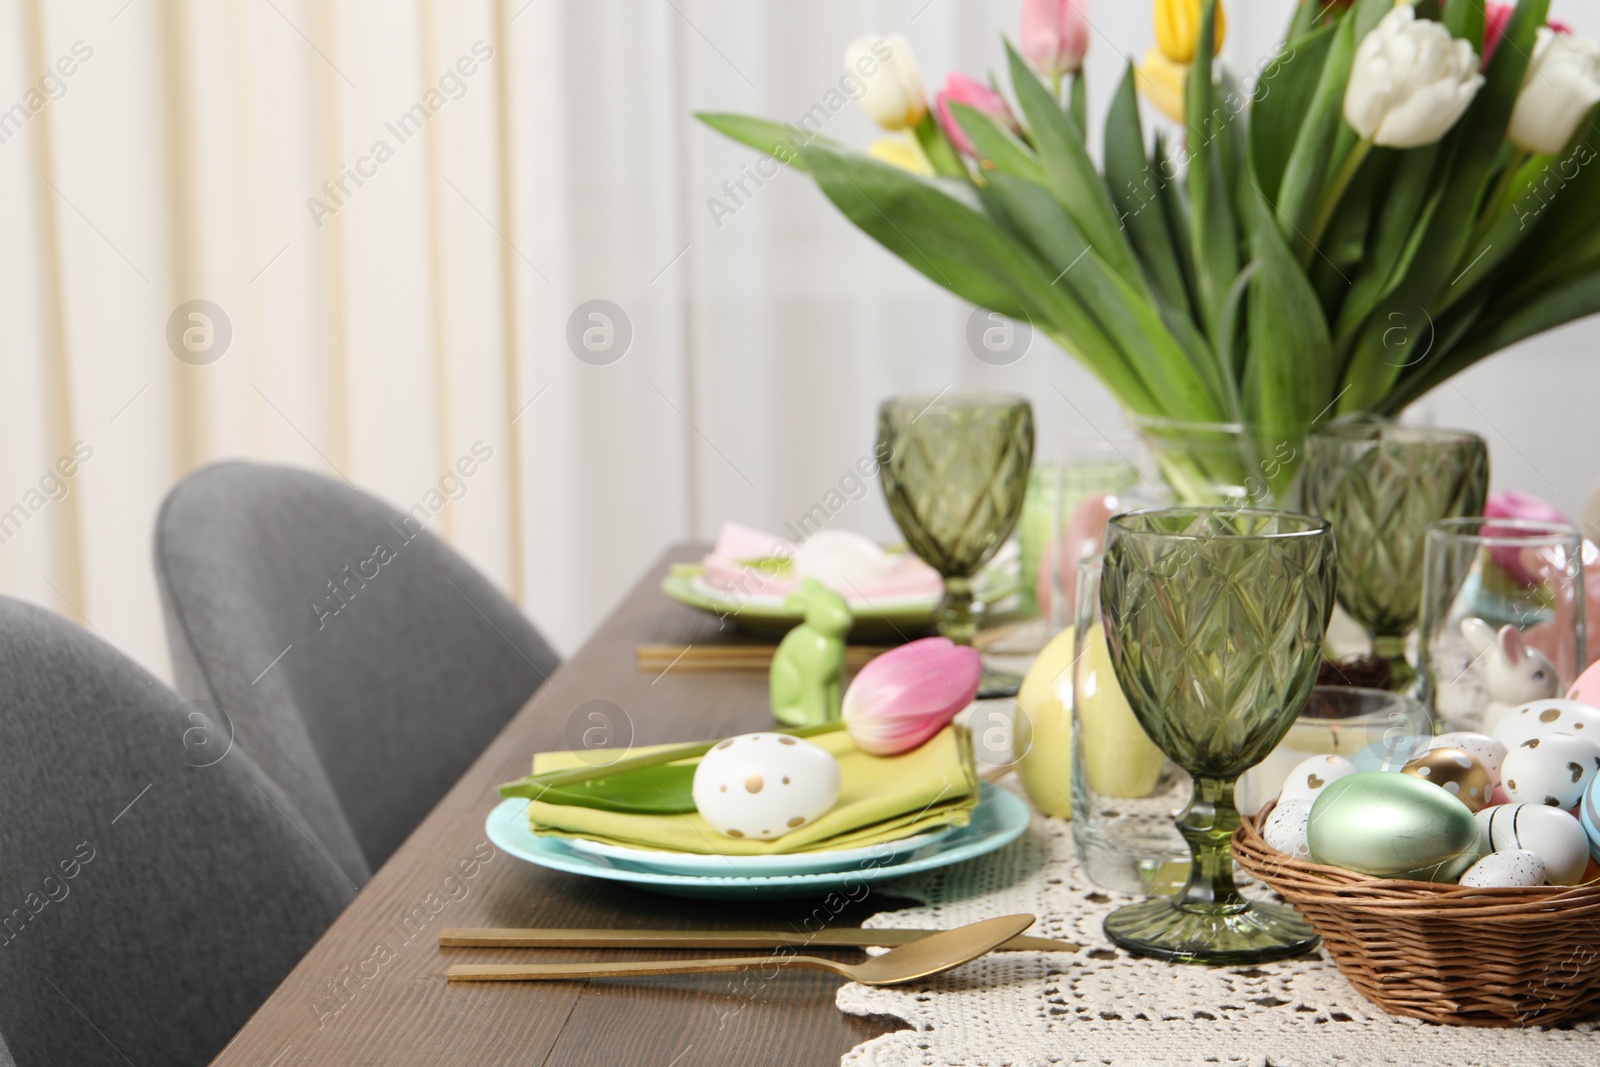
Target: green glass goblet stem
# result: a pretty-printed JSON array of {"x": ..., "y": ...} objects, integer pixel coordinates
[
  {"x": 955, "y": 474},
  {"x": 1381, "y": 486},
  {"x": 1215, "y": 619}
]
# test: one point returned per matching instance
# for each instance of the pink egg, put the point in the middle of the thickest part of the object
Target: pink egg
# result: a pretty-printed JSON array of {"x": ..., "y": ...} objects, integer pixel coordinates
[
  {"x": 1586, "y": 689},
  {"x": 1498, "y": 796}
]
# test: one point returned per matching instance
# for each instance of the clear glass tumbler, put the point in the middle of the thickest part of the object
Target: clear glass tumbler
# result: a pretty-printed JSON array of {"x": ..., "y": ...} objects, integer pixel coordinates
[
  {"x": 1502, "y": 617},
  {"x": 1125, "y": 791}
]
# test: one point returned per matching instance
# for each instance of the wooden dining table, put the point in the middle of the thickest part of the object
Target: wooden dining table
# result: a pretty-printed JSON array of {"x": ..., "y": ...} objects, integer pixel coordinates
[{"x": 373, "y": 989}]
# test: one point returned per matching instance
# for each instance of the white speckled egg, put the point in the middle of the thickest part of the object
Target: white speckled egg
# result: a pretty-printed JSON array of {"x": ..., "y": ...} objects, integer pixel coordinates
[
  {"x": 764, "y": 785},
  {"x": 1516, "y": 867},
  {"x": 1549, "y": 833},
  {"x": 1310, "y": 775},
  {"x": 1285, "y": 828},
  {"x": 1552, "y": 769},
  {"x": 1540, "y": 717},
  {"x": 1485, "y": 749}
]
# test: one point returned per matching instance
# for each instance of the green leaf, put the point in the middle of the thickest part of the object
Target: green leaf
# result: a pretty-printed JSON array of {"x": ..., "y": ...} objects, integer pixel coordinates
[
  {"x": 1213, "y": 234},
  {"x": 938, "y": 148},
  {"x": 1318, "y": 151},
  {"x": 1288, "y": 379},
  {"x": 997, "y": 146},
  {"x": 778, "y": 140},
  {"x": 1182, "y": 381},
  {"x": 1405, "y": 215},
  {"x": 1282, "y": 98},
  {"x": 1069, "y": 171},
  {"x": 1175, "y": 211},
  {"x": 1499, "y": 328},
  {"x": 1078, "y": 104},
  {"x": 1134, "y": 191},
  {"x": 1465, "y": 20},
  {"x": 1308, "y": 18},
  {"x": 661, "y": 790},
  {"x": 960, "y": 247}
]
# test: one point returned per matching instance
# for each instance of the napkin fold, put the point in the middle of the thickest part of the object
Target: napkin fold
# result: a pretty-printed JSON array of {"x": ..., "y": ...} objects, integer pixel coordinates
[{"x": 882, "y": 798}]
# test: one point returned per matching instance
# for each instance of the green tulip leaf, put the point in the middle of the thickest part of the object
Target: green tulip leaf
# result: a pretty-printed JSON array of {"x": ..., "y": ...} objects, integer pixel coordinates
[
  {"x": 1069, "y": 172},
  {"x": 1136, "y": 194},
  {"x": 998, "y": 148}
]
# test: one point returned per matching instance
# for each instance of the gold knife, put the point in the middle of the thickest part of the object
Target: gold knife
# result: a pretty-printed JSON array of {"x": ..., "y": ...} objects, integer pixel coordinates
[{"x": 840, "y": 937}]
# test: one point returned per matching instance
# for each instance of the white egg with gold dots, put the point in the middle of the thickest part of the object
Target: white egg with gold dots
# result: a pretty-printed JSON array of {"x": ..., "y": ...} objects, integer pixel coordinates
[{"x": 764, "y": 785}]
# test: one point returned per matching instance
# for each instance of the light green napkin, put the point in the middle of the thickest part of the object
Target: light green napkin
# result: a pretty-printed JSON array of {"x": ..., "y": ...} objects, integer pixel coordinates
[{"x": 882, "y": 798}]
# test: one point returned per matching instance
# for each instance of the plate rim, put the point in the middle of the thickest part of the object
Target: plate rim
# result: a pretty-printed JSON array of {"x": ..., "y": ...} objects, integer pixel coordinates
[
  {"x": 1014, "y": 813},
  {"x": 625, "y": 854}
]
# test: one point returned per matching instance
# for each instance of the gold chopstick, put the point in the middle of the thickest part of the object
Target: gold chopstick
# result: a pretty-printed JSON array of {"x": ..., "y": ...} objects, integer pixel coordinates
[{"x": 840, "y": 937}]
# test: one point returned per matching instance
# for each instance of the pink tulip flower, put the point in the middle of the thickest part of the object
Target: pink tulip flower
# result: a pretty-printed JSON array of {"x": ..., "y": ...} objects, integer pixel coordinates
[
  {"x": 910, "y": 693},
  {"x": 1054, "y": 35},
  {"x": 1511, "y": 504},
  {"x": 1495, "y": 18},
  {"x": 960, "y": 89}
]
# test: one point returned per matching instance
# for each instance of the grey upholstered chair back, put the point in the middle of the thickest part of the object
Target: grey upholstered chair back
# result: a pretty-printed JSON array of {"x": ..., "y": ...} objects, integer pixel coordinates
[
  {"x": 363, "y": 662},
  {"x": 155, "y": 886}
]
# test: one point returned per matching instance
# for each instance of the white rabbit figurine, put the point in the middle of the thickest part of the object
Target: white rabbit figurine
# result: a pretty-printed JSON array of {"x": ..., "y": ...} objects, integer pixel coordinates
[{"x": 1513, "y": 672}]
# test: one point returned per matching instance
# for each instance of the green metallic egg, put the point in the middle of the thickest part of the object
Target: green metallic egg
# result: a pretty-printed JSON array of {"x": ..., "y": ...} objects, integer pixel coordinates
[{"x": 1392, "y": 826}]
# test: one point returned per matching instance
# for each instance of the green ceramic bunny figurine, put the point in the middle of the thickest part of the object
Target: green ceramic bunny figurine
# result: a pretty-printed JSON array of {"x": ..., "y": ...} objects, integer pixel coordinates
[{"x": 807, "y": 680}]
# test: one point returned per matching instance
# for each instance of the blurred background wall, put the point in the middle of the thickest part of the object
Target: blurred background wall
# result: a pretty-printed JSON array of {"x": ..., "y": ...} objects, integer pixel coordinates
[{"x": 398, "y": 212}]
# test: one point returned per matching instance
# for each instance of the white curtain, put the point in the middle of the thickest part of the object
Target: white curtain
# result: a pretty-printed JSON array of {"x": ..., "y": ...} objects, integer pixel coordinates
[{"x": 400, "y": 211}]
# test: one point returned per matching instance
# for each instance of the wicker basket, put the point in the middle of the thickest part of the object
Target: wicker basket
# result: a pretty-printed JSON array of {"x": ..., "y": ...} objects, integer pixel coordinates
[{"x": 1472, "y": 957}]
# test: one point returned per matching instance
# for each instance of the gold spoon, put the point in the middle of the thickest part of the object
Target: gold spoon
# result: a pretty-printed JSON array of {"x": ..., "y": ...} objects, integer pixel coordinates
[{"x": 922, "y": 958}]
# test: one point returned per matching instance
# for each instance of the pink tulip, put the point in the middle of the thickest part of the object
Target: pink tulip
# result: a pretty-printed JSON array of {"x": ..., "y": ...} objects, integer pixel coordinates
[
  {"x": 1511, "y": 504},
  {"x": 1054, "y": 35},
  {"x": 960, "y": 89},
  {"x": 910, "y": 693},
  {"x": 1495, "y": 18}
]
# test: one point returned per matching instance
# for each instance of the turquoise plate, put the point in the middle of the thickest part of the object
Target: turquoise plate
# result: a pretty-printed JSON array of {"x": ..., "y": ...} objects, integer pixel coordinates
[{"x": 999, "y": 819}]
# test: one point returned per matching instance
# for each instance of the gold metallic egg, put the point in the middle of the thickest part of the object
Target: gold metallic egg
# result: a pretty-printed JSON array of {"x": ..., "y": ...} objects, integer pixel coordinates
[{"x": 1461, "y": 775}]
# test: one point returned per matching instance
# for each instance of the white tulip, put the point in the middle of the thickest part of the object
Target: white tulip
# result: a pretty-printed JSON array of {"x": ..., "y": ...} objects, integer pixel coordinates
[
  {"x": 1410, "y": 82},
  {"x": 1563, "y": 83},
  {"x": 893, "y": 96}
]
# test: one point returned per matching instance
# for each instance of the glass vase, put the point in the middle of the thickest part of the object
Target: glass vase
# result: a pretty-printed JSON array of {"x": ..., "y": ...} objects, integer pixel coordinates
[{"x": 1238, "y": 464}]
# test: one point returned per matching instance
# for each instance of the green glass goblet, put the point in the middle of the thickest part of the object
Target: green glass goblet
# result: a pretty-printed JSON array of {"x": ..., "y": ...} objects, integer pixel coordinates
[
  {"x": 1214, "y": 621},
  {"x": 955, "y": 473},
  {"x": 1381, "y": 486}
]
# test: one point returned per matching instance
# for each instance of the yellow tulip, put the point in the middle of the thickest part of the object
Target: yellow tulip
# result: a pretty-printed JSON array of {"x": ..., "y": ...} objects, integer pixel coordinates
[
  {"x": 1178, "y": 25},
  {"x": 899, "y": 153},
  {"x": 1163, "y": 83}
]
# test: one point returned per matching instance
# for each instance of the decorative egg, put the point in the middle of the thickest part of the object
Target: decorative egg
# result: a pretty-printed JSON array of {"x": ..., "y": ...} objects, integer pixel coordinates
[
  {"x": 1285, "y": 828},
  {"x": 1554, "y": 769},
  {"x": 1392, "y": 826},
  {"x": 764, "y": 785},
  {"x": 1452, "y": 770},
  {"x": 1497, "y": 870},
  {"x": 1586, "y": 689},
  {"x": 1389, "y": 754},
  {"x": 1589, "y": 814},
  {"x": 1549, "y": 833},
  {"x": 1310, "y": 776},
  {"x": 1481, "y": 747},
  {"x": 1540, "y": 717}
]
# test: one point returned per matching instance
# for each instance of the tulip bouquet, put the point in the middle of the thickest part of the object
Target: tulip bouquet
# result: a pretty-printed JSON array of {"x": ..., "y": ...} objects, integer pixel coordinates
[{"x": 1402, "y": 190}]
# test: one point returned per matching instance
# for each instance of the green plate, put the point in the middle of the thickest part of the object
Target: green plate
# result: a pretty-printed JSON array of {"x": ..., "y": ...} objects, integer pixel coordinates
[{"x": 886, "y": 620}]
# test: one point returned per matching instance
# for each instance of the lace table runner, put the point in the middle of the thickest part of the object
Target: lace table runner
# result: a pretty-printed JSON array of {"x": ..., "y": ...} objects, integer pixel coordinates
[{"x": 1102, "y": 1006}]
